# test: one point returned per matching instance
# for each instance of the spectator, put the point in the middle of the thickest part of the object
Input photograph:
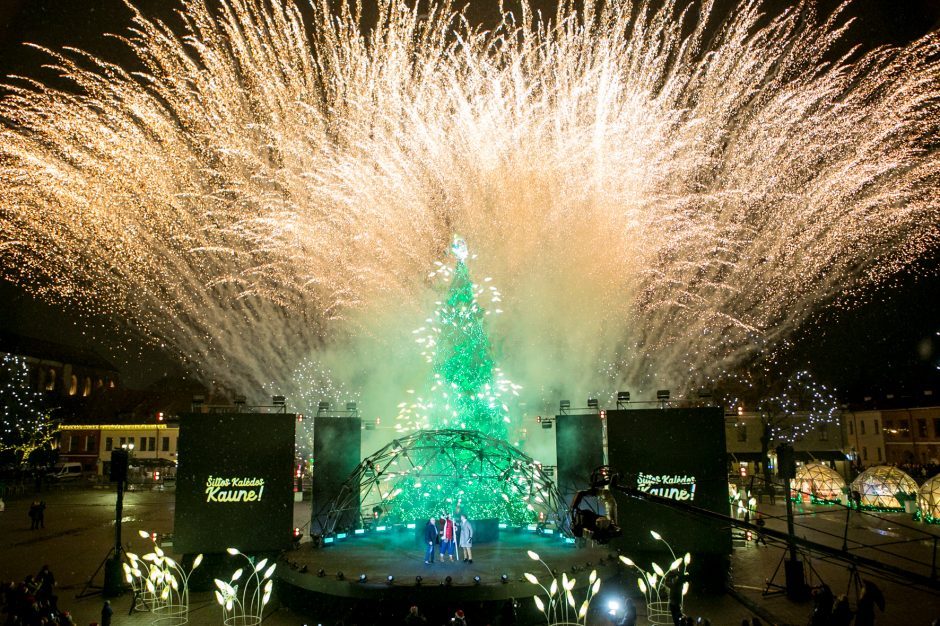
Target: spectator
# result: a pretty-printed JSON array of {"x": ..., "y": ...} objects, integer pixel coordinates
[
  {"x": 106, "y": 613},
  {"x": 841, "y": 614},
  {"x": 414, "y": 617}
]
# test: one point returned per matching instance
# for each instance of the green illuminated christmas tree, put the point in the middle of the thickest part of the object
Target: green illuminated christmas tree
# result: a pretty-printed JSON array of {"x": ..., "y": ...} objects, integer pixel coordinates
[
  {"x": 467, "y": 390},
  {"x": 25, "y": 427}
]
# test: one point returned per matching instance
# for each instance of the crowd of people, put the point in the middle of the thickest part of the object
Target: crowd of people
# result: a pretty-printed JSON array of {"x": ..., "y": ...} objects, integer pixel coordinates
[
  {"x": 33, "y": 602},
  {"x": 829, "y": 610}
]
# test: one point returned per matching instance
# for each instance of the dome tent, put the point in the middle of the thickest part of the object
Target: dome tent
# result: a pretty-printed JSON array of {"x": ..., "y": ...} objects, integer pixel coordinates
[
  {"x": 880, "y": 485},
  {"x": 928, "y": 499},
  {"x": 820, "y": 481}
]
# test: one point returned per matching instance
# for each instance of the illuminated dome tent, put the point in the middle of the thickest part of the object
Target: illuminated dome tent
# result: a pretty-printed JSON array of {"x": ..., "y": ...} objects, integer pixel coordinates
[
  {"x": 928, "y": 499},
  {"x": 432, "y": 472},
  {"x": 820, "y": 481},
  {"x": 880, "y": 485}
]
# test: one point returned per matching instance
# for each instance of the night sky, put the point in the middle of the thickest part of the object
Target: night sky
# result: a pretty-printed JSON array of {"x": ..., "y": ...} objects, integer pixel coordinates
[{"x": 888, "y": 344}]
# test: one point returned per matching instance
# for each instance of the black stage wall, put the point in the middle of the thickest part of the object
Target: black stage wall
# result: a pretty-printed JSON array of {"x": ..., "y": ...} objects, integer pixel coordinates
[
  {"x": 676, "y": 453},
  {"x": 579, "y": 445},
  {"x": 233, "y": 486},
  {"x": 336, "y": 454}
]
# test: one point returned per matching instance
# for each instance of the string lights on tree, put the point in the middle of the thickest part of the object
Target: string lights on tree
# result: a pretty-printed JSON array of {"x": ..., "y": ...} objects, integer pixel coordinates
[
  {"x": 466, "y": 391},
  {"x": 25, "y": 425}
]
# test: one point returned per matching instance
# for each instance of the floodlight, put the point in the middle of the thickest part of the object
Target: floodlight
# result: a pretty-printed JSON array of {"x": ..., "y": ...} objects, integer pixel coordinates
[
  {"x": 564, "y": 405},
  {"x": 504, "y": 579},
  {"x": 363, "y": 578},
  {"x": 390, "y": 579},
  {"x": 351, "y": 407},
  {"x": 592, "y": 403},
  {"x": 662, "y": 394},
  {"x": 476, "y": 580},
  {"x": 323, "y": 405},
  {"x": 278, "y": 400}
]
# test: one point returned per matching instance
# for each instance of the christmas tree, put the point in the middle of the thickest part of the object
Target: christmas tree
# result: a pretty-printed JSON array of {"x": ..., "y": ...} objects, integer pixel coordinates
[
  {"x": 25, "y": 427},
  {"x": 467, "y": 390}
]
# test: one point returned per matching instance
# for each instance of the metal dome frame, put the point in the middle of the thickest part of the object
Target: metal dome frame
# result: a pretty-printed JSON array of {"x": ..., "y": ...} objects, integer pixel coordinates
[
  {"x": 928, "y": 499},
  {"x": 879, "y": 486},
  {"x": 820, "y": 481},
  {"x": 430, "y": 472}
]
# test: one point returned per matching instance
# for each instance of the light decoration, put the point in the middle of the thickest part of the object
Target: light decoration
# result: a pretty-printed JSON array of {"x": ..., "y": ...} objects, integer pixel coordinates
[
  {"x": 160, "y": 584},
  {"x": 467, "y": 390},
  {"x": 271, "y": 173},
  {"x": 822, "y": 483},
  {"x": 653, "y": 584},
  {"x": 432, "y": 472},
  {"x": 880, "y": 486},
  {"x": 801, "y": 408},
  {"x": 246, "y": 593},
  {"x": 25, "y": 424},
  {"x": 560, "y": 606},
  {"x": 928, "y": 500}
]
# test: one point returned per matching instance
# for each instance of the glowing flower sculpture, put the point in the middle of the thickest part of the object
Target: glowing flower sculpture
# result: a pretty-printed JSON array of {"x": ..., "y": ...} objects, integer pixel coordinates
[
  {"x": 562, "y": 607},
  {"x": 160, "y": 584},
  {"x": 243, "y": 605},
  {"x": 653, "y": 584}
]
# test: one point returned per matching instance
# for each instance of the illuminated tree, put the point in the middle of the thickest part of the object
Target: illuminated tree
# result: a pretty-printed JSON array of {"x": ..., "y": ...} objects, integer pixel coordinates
[
  {"x": 801, "y": 407},
  {"x": 467, "y": 389},
  {"x": 25, "y": 426}
]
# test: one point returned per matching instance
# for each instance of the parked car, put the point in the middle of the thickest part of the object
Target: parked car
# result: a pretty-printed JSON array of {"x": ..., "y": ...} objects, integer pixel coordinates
[{"x": 66, "y": 471}]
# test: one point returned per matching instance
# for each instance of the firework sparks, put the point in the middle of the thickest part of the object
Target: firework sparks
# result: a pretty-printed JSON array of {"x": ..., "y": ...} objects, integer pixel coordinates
[{"x": 264, "y": 181}]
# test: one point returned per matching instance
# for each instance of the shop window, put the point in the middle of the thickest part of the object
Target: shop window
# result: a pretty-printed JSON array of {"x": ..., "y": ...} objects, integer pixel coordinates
[
  {"x": 86, "y": 389},
  {"x": 73, "y": 385},
  {"x": 904, "y": 428}
]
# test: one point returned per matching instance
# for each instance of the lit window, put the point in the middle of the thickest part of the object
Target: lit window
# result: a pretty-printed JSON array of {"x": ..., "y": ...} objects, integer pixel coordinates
[
  {"x": 50, "y": 381},
  {"x": 73, "y": 385},
  {"x": 86, "y": 389}
]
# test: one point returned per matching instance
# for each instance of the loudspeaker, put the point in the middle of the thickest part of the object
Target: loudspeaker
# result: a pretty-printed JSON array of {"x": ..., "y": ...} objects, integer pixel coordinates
[
  {"x": 336, "y": 454},
  {"x": 118, "y": 471},
  {"x": 579, "y": 441}
]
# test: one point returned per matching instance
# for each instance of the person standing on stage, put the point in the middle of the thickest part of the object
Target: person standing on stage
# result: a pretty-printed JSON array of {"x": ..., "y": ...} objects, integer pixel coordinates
[
  {"x": 448, "y": 545},
  {"x": 466, "y": 539},
  {"x": 430, "y": 536}
]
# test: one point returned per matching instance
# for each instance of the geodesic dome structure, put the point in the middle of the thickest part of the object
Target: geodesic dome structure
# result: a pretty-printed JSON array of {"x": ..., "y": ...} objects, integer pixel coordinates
[
  {"x": 821, "y": 481},
  {"x": 880, "y": 485},
  {"x": 432, "y": 472},
  {"x": 928, "y": 499}
]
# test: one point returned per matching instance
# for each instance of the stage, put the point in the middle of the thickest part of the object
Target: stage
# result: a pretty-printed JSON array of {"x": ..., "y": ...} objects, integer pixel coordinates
[{"x": 397, "y": 553}]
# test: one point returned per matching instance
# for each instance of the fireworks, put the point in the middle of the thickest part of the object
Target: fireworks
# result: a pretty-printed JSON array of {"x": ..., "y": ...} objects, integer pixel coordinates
[{"x": 658, "y": 205}]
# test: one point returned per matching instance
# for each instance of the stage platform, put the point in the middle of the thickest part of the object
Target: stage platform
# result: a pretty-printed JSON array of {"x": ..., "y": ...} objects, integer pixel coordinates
[{"x": 379, "y": 555}]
